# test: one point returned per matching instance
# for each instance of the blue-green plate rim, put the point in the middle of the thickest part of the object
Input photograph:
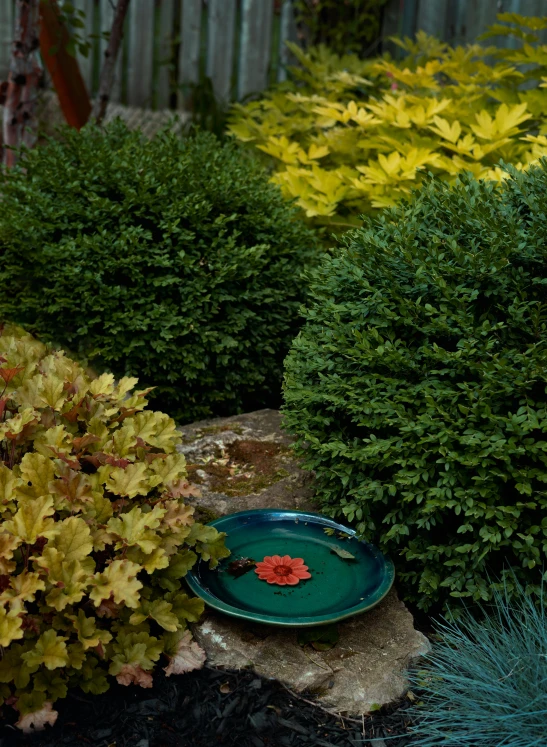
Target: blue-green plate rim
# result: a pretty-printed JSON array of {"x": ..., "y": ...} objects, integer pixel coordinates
[{"x": 296, "y": 622}]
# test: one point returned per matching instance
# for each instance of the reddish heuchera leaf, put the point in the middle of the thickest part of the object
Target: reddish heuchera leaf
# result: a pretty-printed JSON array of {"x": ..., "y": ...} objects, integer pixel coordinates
[
  {"x": 36, "y": 721},
  {"x": 72, "y": 463},
  {"x": 125, "y": 412},
  {"x": 115, "y": 462},
  {"x": 184, "y": 489},
  {"x": 72, "y": 415},
  {"x": 31, "y": 623},
  {"x": 92, "y": 459},
  {"x": 3, "y": 402},
  {"x": 132, "y": 675},
  {"x": 108, "y": 608},
  {"x": 81, "y": 443},
  {"x": 10, "y": 373},
  {"x": 119, "y": 504}
]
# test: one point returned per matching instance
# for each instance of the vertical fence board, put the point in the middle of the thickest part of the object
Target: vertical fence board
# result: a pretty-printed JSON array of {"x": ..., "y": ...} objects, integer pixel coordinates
[
  {"x": 220, "y": 46},
  {"x": 479, "y": 16},
  {"x": 107, "y": 18},
  {"x": 190, "y": 46},
  {"x": 255, "y": 49},
  {"x": 150, "y": 28},
  {"x": 141, "y": 50},
  {"x": 287, "y": 33},
  {"x": 432, "y": 17},
  {"x": 6, "y": 36},
  {"x": 166, "y": 22}
]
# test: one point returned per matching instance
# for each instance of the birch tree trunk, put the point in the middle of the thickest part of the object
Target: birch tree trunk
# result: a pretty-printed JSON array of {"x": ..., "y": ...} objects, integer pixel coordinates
[
  {"x": 19, "y": 125},
  {"x": 110, "y": 55}
]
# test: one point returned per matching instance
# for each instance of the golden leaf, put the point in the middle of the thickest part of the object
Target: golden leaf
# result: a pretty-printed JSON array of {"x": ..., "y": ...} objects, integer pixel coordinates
[
  {"x": 49, "y": 650},
  {"x": 22, "y": 588},
  {"x": 73, "y": 539},
  {"x": 30, "y": 521},
  {"x": 131, "y": 481},
  {"x": 10, "y": 626},
  {"x": 118, "y": 579}
]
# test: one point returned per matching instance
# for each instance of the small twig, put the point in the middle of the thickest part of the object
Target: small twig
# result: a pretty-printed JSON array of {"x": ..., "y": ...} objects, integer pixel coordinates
[
  {"x": 322, "y": 708},
  {"x": 327, "y": 669}
]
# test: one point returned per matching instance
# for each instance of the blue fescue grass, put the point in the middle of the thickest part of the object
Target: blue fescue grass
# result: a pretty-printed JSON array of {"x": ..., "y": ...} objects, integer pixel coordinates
[{"x": 485, "y": 682}]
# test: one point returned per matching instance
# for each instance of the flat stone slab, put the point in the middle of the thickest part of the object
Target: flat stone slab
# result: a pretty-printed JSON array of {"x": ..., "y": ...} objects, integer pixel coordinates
[{"x": 245, "y": 462}]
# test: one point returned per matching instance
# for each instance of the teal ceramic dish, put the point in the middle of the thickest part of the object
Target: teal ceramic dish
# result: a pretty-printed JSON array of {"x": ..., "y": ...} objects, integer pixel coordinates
[{"x": 339, "y": 586}]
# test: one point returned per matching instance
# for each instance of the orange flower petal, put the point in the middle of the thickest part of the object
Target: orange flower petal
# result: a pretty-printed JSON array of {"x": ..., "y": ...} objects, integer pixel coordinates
[{"x": 282, "y": 570}]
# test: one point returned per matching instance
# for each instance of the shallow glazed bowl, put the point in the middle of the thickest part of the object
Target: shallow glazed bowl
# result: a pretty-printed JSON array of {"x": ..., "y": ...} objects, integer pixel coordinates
[{"x": 339, "y": 586}]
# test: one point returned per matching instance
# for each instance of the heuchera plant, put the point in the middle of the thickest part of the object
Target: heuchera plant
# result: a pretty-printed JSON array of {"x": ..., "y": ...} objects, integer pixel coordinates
[{"x": 94, "y": 538}]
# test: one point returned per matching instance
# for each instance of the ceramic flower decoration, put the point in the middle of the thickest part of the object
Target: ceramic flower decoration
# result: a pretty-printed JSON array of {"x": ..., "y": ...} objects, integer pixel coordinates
[{"x": 285, "y": 571}]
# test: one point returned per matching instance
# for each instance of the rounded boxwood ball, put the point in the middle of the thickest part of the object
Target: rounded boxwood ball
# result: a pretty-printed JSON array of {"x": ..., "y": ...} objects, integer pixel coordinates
[
  {"x": 417, "y": 387},
  {"x": 174, "y": 260}
]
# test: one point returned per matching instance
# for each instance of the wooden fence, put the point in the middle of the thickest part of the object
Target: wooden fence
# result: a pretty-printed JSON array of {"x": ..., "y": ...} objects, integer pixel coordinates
[
  {"x": 169, "y": 45},
  {"x": 456, "y": 21}
]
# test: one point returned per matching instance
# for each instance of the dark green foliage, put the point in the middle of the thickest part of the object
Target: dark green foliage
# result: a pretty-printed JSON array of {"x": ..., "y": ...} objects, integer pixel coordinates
[
  {"x": 345, "y": 27},
  {"x": 172, "y": 260},
  {"x": 485, "y": 681},
  {"x": 417, "y": 388}
]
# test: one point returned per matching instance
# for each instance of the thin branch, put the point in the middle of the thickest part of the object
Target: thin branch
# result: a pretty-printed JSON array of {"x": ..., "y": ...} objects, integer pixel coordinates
[
  {"x": 19, "y": 123},
  {"x": 110, "y": 56}
]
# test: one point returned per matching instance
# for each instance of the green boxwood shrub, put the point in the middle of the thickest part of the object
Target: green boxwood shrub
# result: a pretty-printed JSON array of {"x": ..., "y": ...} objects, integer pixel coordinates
[
  {"x": 417, "y": 388},
  {"x": 174, "y": 260}
]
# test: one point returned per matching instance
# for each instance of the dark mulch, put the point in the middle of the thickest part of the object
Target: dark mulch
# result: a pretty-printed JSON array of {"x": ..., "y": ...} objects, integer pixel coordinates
[{"x": 207, "y": 708}]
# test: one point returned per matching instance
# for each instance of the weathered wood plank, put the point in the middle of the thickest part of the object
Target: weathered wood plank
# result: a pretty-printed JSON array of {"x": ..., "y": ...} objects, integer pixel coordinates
[
  {"x": 107, "y": 18},
  {"x": 287, "y": 33},
  {"x": 7, "y": 29},
  {"x": 255, "y": 46},
  {"x": 165, "y": 31},
  {"x": 220, "y": 46},
  {"x": 431, "y": 17},
  {"x": 190, "y": 44},
  {"x": 141, "y": 50},
  {"x": 479, "y": 16}
]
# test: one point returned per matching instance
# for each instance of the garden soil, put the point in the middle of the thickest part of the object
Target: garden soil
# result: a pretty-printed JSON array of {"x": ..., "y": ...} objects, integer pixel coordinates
[{"x": 207, "y": 708}]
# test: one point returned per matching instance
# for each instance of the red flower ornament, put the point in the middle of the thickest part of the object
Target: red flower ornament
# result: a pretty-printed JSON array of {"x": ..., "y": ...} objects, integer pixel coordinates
[{"x": 284, "y": 571}]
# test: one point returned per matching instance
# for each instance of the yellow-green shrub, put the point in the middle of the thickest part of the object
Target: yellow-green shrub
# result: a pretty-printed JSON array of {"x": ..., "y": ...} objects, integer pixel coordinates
[
  {"x": 94, "y": 534},
  {"x": 354, "y": 135}
]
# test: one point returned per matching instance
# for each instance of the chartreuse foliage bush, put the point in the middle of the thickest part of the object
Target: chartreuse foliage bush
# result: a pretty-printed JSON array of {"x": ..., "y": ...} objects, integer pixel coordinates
[
  {"x": 348, "y": 136},
  {"x": 173, "y": 260},
  {"x": 94, "y": 534},
  {"x": 417, "y": 389},
  {"x": 485, "y": 681}
]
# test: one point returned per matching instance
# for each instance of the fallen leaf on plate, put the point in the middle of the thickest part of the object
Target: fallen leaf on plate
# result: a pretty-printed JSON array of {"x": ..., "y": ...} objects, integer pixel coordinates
[{"x": 341, "y": 552}]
